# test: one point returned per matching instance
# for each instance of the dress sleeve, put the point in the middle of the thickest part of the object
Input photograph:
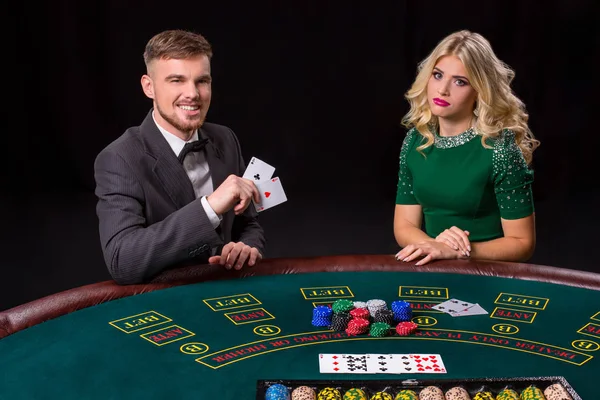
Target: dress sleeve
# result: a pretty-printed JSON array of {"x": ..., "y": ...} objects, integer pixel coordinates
[
  {"x": 404, "y": 194},
  {"x": 512, "y": 178}
]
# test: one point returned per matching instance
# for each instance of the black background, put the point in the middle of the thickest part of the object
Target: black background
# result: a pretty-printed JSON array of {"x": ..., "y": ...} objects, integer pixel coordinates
[{"x": 313, "y": 88}]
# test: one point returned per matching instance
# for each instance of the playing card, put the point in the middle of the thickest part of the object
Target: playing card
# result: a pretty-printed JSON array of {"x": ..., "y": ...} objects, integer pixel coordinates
[
  {"x": 332, "y": 364},
  {"x": 405, "y": 364},
  {"x": 271, "y": 194},
  {"x": 476, "y": 309},
  {"x": 428, "y": 364},
  {"x": 453, "y": 306},
  {"x": 383, "y": 364},
  {"x": 356, "y": 363},
  {"x": 258, "y": 171}
]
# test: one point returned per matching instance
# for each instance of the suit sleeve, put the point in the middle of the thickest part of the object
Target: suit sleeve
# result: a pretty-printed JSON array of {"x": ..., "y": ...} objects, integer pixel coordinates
[
  {"x": 133, "y": 251},
  {"x": 246, "y": 228}
]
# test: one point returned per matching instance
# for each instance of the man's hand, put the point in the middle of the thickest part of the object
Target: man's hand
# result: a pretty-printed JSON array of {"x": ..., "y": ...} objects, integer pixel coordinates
[
  {"x": 429, "y": 250},
  {"x": 234, "y": 192},
  {"x": 237, "y": 255},
  {"x": 457, "y": 239}
]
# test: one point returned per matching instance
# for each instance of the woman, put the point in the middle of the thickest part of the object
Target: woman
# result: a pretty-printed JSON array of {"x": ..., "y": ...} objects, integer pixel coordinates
[{"x": 464, "y": 162}]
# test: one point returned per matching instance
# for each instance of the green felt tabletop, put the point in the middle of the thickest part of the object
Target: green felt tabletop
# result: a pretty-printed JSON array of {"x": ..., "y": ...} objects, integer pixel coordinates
[{"x": 216, "y": 339}]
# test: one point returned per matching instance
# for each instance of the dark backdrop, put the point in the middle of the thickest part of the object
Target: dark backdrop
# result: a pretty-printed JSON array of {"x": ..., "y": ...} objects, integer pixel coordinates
[{"x": 314, "y": 89}]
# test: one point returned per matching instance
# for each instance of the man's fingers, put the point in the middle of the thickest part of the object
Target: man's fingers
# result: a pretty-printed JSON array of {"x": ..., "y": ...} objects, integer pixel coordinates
[
  {"x": 225, "y": 255},
  {"x": 254, "y": 257},
  {"x": 243, "y": 257},
  {"x": 234, "y": 254},
  {"x": 214, "y": 260}
]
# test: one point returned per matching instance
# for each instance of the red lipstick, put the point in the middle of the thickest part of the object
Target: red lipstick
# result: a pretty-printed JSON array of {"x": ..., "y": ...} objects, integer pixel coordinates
[{"x": 440, "y": 102}]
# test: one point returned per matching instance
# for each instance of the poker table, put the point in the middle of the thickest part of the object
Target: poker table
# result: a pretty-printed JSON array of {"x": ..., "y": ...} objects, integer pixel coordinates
[{"x": 203, "y": 332}]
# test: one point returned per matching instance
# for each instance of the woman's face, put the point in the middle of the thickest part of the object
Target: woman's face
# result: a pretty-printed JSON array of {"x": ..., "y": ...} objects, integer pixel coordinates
[{"x": 449, "y": 92}]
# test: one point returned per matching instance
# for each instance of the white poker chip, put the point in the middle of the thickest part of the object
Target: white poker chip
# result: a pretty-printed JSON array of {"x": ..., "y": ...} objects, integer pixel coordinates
[{"x": 360, "y": 304}]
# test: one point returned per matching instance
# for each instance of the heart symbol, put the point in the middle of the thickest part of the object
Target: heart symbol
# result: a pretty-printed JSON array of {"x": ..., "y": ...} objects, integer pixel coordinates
[
  {"x": 267, "y": 194},
  {"x": 425, "y": 358},
  {"x": 421, "y": 369}
]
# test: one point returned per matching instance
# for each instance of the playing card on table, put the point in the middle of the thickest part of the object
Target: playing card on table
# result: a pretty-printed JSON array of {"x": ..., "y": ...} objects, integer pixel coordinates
[
  {"x": 476, "y": 309},
  {"x": 356, "y": 363},
  {"x": 428, "y": 364},
  {"x": 453, "y": 306},
  {"x": 405, "y": 364},
  {"x": 383, "y": 363},
  {"x": 332, "y": 364},
  {"x": 258, "y": 171},
  {"x": 271, "y": 194}
]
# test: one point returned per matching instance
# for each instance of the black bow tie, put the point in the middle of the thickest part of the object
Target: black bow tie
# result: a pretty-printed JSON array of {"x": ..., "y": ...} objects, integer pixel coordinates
[{"x": 197, "y": 145}]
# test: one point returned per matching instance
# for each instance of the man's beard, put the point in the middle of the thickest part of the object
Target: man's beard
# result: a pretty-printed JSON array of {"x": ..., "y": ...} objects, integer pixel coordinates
[{"x": 183, "y": 126}]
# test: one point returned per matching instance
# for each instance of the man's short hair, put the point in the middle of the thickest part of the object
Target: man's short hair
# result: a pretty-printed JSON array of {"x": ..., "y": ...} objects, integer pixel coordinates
[{"x": 176, "y": 44}]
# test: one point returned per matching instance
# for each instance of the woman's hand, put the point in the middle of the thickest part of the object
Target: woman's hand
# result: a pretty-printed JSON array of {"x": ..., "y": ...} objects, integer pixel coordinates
[
  {"x": 457, "y": 239},
  {"x": 428, "y": 250}
]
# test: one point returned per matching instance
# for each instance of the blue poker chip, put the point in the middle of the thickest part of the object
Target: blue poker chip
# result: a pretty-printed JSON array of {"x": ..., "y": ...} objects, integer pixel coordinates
[{"x": 277, "y": 392}]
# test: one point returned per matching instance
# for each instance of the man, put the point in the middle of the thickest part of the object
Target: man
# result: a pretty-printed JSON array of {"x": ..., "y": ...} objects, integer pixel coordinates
[{"x": 156, "y": 203}]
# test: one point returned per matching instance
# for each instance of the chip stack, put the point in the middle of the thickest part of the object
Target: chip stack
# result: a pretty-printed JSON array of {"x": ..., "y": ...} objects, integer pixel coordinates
[
  {"x": 406, "y": 328},
  {"x": 355, "y": 394},
  {"x": 557, "y": 392},
  {"x": 532, "y": 393},
  {"x": 402, "y": 310},
  {"x": 375, "y": 305},
  {"x": 457, "y": 393},
  {"x": 360, "y": 304},
  {"x": 406, "y": 394},
  {"x": 386, "y": 316},
  {"x": 342, "y": 305},
  {"x": 357, "y": 326},
  {"x": 322, "y": 316},
  {"x": 379, "y": 329},
  {"x": 277, "y": 392},
  {"x": 304, "y": 393},
  {"x": 362, "y": 313},
  {"x": 329, "y": 393},
  {"x": 507, "y": 394},
  {"x": 382, "y": 396},
  {"x": 339, "y": 321},
  {"x": 431, "y": 393},
  {"x": 484, "y": 394}
]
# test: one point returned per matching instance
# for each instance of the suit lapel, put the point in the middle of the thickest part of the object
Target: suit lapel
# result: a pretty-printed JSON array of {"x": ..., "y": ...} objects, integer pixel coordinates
[
  {"x": 167, "y": 169},
  {"x": 215, "y": 160}
]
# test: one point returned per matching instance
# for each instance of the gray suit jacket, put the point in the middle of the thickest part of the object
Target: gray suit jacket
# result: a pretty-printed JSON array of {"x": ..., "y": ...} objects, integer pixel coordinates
[{"x": 149, "y": 217}]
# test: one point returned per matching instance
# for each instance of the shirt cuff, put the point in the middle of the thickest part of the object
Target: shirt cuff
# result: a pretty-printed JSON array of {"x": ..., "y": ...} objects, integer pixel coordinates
[{"x": 215, "y": 219}]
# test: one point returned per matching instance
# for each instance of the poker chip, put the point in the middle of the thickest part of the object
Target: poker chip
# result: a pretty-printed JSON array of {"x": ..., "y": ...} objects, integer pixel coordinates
[
  {"x": 357, "y": 326},
  {"x": 557, "y": 392},
  {"x": 277, "y": 392},
  {"x": 339, "y": 321},
  {"x": 402, "y": 310},
  {"x": 360, "y": 304},
  {"x": 360, "y": 313},
  {"x": 386, "y": 316},
  {"x": 508, "y": 394},
  {"x": 457, "y": 393},
  {"x": 329, "y": 393},
  {"x": 406, "y": 394},
  {"x": 484, "y": 395},
  {"x": 382, "y": 396},
  {"x": 375, "y": 305},
  {"x": 322, "y": 316},
  {"x": 406, "y": 328},
  {"x": 303, "y": 393},
  {"x": 355, "y": 394},
  {"x": 532, "y": 393},
  {"x": 431, "y": 393},
  {"x": 342, "y": 305},
  {"x": 379, "y": 329}
]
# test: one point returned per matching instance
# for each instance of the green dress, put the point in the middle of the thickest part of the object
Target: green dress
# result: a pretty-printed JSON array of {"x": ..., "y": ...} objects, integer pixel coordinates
[{"x": 459, "y": 182}]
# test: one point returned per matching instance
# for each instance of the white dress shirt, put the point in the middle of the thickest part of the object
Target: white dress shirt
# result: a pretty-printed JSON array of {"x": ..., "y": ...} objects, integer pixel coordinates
[{"x": 196, "y": 168}]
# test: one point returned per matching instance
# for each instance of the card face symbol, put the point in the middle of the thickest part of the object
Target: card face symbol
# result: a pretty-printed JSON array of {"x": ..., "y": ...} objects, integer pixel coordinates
[{"x": 267, "y": 194}]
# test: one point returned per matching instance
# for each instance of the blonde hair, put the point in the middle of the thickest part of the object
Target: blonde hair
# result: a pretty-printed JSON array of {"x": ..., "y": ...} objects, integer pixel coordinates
[{"x": 497, "y": 107}]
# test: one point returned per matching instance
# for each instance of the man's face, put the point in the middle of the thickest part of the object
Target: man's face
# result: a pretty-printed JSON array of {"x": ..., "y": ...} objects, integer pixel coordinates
[{"x": 181, "y": 90}]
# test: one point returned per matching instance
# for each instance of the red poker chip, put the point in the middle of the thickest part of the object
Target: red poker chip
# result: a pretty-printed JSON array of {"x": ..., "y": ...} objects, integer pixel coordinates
[
  {"x": 406, "y": 328},
  {"x": 360, "y": 313}
]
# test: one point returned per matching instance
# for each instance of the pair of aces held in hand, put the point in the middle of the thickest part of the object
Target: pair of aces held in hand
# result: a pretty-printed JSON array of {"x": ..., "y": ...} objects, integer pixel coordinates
[{"x": 270, "y": 189}]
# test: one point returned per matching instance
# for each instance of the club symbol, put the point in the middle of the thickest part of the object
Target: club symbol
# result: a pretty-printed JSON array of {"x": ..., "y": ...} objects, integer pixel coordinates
[{"x": 257, "y": 177}]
